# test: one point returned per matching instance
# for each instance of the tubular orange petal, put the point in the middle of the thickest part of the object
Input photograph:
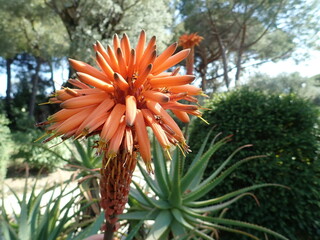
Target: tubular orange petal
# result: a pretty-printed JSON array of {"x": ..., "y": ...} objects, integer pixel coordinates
[
  {"x": 121, "y": 82},
  {"x": 190, "y": 89},
  {"x": 128, "y": 143},
  {"x": 150, "y": 47},
  {"x": 102, "y": 51},
  {"x": 103, "y": 107},
  {"x": 88, "y": 69},
  {"x": 113, "y": 59},
  {"x": 64, "y": 114},
  {"x": 182, "y": 116},
  {"x": 88, "y": 91},
  {"x": 156, "y": 96},
  {"x": 178, "y": 96},
  {"x": 74, "y": 121},
  {"x": 116, "y": 42},
  {"x": 171, "y": 61},
  {"x": 191, "y": 109},
  {"x": 116, "y": 140},
  {"x": 131, "y": 64},
  {"x": 84, "y": 101},
  {"x": 143, "y": 76},
  {"x": 156, "y": 128},
  {"x": 147, "y": 60},
  {"x": 105, "y": 66},
  {"x": 77, "y": 83},
  {"x": 140, "y": 47},
  {"x": 112, "y": 123},
  {"x": 143, "y": 139},
  {"x": 63, "y": 95},
  {"x": 95, "y": 82},
  {"x": 171, "y": 81},
  {"x": 131, "y": 110},
  {"x": 165, "y": 54},
  {"x": 166, "y": 118},
  {"x": 126, "y": 47},
  {"x": 122, "y": 63}
]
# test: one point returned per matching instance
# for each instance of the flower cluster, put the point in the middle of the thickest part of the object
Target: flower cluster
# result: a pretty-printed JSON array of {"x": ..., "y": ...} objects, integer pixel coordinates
[
  {"x": 190, "y": 40},
  {"x": 127, "y": 92}
]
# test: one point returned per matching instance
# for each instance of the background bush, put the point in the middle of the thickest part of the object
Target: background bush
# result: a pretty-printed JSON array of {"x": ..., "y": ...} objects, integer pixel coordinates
[
  {"x": 5, "y": 145},
  {"x": 35, "y": 154},
  {"x": 286, "y": 129}
]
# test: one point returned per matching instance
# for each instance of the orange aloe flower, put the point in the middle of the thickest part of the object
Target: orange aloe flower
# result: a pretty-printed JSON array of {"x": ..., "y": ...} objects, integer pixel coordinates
[
  {"x": 127, "y": 92},
  {"x": 190, "y": 41}
]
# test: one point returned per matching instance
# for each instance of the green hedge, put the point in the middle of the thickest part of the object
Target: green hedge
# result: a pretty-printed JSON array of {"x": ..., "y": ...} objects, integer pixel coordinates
[{"x": 286, "y": 129}]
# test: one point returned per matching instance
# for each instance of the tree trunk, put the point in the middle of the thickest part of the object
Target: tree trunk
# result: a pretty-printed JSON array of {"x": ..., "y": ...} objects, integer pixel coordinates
[
  {"x": 9, "y": 61},
  {"x": 239, "y": 55},
  {"x": 35, "y": 82}
]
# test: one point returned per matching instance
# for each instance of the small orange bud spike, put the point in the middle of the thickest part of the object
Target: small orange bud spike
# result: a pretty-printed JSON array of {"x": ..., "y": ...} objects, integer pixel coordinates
[
  {"x": 126, "y": 47},
  {"x": 190, "y": 89},
  {"x": 105, "y": 66},
  {"x": 171, "y": 81},
  {"x": 166, "y": 118},
  {"x": 121, "y": 82},
  {"x": 77, "y": 83},
  {"x": 88, "y": 79},
  {"x": 103, "y": 52},
  {"x": 121, "y": 63},
  {"x": 88, "y": 69},
  {"x": 116, "y": 42},
  {"x": 84, "y": 101},
  {"x": 131, "y": 110},
  {"x": 113, "y": 59},
  {"x": 143, "y": 139},
  {"x": 165, "y": 54},
  {"x": 171, "y": 61},
  {"x": 156, "y": 128},
  {"x": 182, "y": 116},
  {"x": 143, "y": 76},
  {"x": 140, "y": 47},
  {"x": 112, "y": 123},
  {"x": 116, "y": 140},
  {"x": 156, "y": 96}
]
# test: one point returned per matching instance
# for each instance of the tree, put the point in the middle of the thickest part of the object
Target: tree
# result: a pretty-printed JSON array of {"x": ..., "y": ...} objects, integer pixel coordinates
[
  {"x": 86, "y": 21},
  {"x": 237, "y": 31}
]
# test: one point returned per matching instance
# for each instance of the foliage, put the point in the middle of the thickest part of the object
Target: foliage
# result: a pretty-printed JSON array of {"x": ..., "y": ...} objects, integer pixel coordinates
[
  {"x": 49, "y": 213},
  {"x": 286, "y": 129},
  {"x": 27, "y": 151},
  {"x": 175, "y": 205},
  {"x": 236, "y": 32},
  {"x": 5, "y": 145},
  {"x": 286, "y": 84}
]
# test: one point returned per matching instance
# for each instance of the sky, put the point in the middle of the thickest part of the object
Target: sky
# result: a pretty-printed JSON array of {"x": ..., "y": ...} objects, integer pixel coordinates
[{"x": 307, "y": 68}]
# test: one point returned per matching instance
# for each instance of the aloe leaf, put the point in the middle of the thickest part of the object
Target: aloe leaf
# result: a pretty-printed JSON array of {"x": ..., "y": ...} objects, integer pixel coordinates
[
  {"x": 180, "y": 218},
  {"x": 175, "y": 194},
  {"x": 194, "y": 175},
  {"x": 150, "y": 201},
  {"x": 160, "y": 226},
  {"x": 237, "y": 223},
  {"x": 222, "y": 166},
  {"x": 160, "y": 168},
  {"x": 83, "y": 155},
  {"x": 139, "y": 215},
  {"x": 232, "y": 194},
  {"x": 151, "y": 182},
  {"x": 147, "y": 215},
  {"x": 178, "y": 230},
  {"x": 139, "y": 197},
  {"x": 202, "y": 234},
  {"x": 24, "y": 230},
  {"x": 91, "y": 230},
  {"x": 206, "y": 186},
  {"x": 220, "y": 206},
  {"x": 201, "y": 150},
  {"x": 227, "y": 229}
]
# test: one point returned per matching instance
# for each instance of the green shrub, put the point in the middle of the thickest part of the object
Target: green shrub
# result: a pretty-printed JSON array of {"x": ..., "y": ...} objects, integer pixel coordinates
[
  {"x": 35, "y": 154},
  {"x": 5, "y": 145},
  {"x": 286, "y": 129}
]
